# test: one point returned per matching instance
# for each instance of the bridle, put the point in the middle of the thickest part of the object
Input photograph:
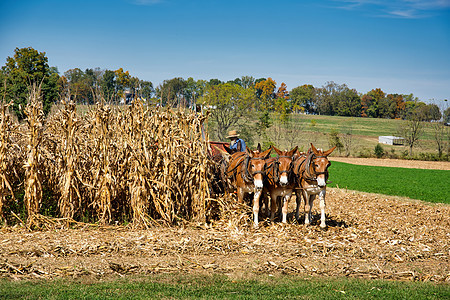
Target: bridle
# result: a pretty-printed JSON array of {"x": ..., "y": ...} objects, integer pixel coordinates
[
  {"x": 308, "y": 175},
  {"x": 246, "y": 175},
  {"x": 276, "y": 167}
]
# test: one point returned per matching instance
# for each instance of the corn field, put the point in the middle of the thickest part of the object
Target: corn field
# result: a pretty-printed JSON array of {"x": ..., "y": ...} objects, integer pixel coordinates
[{"x": 130, "y": 164}]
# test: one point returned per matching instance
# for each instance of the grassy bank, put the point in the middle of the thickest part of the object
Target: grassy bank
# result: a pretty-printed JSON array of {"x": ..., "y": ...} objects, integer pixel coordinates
[
  {"x": 426, "y": 185},
  {"x": 220, "y": 287}
]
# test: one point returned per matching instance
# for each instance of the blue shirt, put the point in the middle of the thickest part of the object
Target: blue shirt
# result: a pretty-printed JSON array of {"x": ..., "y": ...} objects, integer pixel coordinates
[{"x": 235, "y": 145}]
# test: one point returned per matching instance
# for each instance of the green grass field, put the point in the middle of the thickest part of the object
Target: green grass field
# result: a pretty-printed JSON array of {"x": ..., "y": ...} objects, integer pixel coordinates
[
  {"x": 426, "y": 185},
  {"x": 220, "y": 287}
]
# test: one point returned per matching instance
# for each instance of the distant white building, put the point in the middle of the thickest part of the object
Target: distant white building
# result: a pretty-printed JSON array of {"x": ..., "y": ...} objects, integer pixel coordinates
[{"x": 391, "y": 140}]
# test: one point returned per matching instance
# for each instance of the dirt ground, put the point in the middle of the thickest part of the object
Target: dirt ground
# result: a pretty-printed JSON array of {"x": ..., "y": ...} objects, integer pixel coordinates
[{"x": 368, "y": 236}]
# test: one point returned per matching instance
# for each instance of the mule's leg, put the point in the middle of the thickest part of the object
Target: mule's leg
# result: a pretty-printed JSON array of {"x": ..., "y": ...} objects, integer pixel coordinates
[
  {"x": 298, "y": 200},
  {"x": 309, "y": 200},
  {"x": 266, "y": 204},
  {"x": 256, "y": 197},
  {"x": 285, "y": 206},
  {"x": 322, "y": 208},
  {"x": 240, "y": 195},
  {"x": 264, "y": 201},
  {"x": 273, "y": 206}
]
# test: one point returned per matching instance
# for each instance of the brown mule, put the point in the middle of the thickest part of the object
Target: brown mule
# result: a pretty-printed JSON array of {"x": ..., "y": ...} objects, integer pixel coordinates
[
  {"x": 280, "y": 181},
  {"x": 246, "y": 171},
  {"x": 311, "y": 171}
]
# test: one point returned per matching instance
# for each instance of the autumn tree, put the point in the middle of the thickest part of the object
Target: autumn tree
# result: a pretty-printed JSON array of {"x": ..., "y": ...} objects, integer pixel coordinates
[
  {"x": 281, "y": 106},
  {"x": 26, "y": 68},
  {"x": 399, "y": 104},
  {"x": 123, "y": 80},
  {"x": 265, "y": 90}
]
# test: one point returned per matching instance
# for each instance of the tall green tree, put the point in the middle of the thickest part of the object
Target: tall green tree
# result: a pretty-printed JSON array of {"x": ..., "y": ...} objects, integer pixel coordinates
[
  {"x": 79, "y": 86},
  {"x": 326, "y": 98},
  {"x": 171, "y": 92},
  {"x": 27, "y": 67},
  {"x": 146, "y": 90},
  {"x": 371, "y": 103},
  {"x": 302, "y": 99},
  {"x": 108, "y": 85},
  {"x": 229, "y": 104},
  {"x": 348, "y": 102}
]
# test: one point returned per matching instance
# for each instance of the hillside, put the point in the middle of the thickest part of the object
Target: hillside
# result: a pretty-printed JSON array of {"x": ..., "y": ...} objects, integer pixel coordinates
[{"x": 364, "y": 132}]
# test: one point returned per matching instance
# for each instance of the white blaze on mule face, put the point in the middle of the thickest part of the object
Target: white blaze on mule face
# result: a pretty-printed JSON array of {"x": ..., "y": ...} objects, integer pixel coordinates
[
  {"x": 258, "y": 184},
  {"x": 284, "y": 179},
  {"x": 321, "y": 180}
]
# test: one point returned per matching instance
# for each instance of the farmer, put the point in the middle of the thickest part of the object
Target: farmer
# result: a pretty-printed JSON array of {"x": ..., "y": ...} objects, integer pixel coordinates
[{"x": 236, "y": 143}]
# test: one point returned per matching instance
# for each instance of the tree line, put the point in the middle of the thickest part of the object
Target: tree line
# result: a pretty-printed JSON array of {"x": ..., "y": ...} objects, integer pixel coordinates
[{"x": 230, "y": 100}]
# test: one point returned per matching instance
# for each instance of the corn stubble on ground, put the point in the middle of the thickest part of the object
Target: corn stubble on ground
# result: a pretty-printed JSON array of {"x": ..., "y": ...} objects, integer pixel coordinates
[
  {"x": 369, "y": 236},
  {"x": 149, "y": 168}
]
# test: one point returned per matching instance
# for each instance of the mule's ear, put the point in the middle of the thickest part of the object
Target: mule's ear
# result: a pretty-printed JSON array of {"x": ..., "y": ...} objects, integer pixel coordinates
[
  {"x": 249, "y": 152},
  {"x": 258, "y": 148},
  {"x": 279, "y": 152},
  {"x": 293, "y": 151},
  {"x": 266, "y": 154},
  {"x": 316, "y": 152},
  {"x": 328, "y": 152}
]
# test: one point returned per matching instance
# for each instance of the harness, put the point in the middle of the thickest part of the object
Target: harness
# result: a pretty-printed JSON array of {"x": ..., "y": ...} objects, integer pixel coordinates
[
  {"x": 306, "y": 174},
  {"x": 289, "y": 172},
  {"x": 245, "y": 173}
]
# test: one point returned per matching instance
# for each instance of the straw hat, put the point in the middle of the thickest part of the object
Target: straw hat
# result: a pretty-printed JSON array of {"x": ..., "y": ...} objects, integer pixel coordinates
[{"x": 232, "y": 133}]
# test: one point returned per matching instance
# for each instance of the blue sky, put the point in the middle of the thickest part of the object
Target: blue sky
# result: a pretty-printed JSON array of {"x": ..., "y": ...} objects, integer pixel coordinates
[{"x": 400, "y": 46}]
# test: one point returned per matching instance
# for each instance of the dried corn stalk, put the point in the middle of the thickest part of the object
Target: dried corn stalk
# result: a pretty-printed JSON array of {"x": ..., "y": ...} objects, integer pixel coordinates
[
  {"x": 102, "y": 178},
  {"x": 35, "y": 134},
  {"x": 65, "y": 126},
  {"x": 7, "y": 127},
  {"x": 130, "y": 163}
]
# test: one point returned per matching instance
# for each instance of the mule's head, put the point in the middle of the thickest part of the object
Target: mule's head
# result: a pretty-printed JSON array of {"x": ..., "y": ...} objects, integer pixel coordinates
[
  {"x": 256, "y": 166},
  {"x": 320, "y": 164},
  {"x": 284, "y": 164}
]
